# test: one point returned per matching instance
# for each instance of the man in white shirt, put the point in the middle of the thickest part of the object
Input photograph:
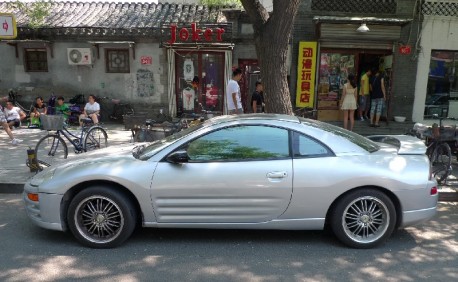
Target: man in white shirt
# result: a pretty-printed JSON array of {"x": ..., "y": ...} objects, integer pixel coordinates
[
  {"x": 233, "y": 99},
  {"x": 14, "y": 115},
  {"x": 3, "y": 122}
]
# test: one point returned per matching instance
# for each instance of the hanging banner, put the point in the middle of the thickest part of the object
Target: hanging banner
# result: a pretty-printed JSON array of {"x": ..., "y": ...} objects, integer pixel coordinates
[
  {"x": 306, "y": 71},
  {"x": 8, "y": 28}
]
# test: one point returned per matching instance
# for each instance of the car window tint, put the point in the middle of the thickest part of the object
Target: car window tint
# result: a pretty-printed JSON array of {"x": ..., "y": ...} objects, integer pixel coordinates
[
  {"x": 305, "y": 146},
  {"x": 361, "y": 141},
  {"x": 241, "y": 143}
]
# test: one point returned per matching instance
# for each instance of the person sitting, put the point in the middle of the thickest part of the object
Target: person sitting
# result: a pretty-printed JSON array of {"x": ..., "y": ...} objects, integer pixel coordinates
[
  {"x": 14, "y": 115},
  {"x": 5, "y": 126},
  {"x": 91, "y": 110},
  {"x": 39, "y": 108},
  {"x": 62, "y": 108}
]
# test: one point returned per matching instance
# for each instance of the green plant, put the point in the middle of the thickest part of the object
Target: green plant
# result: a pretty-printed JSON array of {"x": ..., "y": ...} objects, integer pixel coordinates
[
  {"x": 36, "y": 12},
  {"x": 235, "y": 3}
]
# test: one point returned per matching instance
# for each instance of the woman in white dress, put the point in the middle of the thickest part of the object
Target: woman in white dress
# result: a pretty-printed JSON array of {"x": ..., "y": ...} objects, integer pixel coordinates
[{"x": 348, "y": 101}]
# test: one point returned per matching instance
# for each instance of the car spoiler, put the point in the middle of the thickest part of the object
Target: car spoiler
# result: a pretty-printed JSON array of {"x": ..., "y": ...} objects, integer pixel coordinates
[{"x": 407, "y": 145}]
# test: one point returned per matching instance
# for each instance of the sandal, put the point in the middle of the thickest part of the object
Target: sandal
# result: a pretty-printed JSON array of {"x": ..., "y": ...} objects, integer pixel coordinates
[{"x": 376, "y": 125}]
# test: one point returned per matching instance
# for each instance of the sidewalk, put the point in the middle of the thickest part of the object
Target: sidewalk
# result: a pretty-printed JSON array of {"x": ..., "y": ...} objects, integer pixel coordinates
[{"x": 13, "y": 169}]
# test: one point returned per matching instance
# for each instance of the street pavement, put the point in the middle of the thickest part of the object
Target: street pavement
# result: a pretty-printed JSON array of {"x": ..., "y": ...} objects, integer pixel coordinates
[{"x": 14, "y": 171}]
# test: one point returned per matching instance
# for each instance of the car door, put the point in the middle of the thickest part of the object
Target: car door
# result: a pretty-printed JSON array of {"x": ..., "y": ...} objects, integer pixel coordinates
[{"x": 238, "y": 174}]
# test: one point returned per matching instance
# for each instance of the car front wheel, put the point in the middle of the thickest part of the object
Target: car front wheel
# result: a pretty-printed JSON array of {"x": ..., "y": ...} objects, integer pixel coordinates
[
  {"x": 100, "y": 217},
  {"x": 363, "y": 218}
]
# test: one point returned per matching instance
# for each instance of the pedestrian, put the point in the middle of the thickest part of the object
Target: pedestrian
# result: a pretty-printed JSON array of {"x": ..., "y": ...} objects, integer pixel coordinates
[
  {"x": 257, "y": 99},
  {"x": 39, "y": 108},
  {"x": 91, "y": 110},
  {"x": 7, "y": 129},
  {"x": 348, "y": 101},
  {"x": 364, "y": 96},
  {"x": 14, "y": 115},
  {"x": 233, "y": 97},
  {"x": 378, "y": 97},
  {"x": 62, "y": 108}
]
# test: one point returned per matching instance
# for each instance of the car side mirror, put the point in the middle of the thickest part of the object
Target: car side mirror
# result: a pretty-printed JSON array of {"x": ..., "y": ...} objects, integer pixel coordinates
[{"x": 178, "y": 157}]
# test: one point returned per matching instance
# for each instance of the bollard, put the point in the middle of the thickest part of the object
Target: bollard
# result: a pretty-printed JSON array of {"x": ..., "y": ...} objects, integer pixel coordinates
[{"x": 31, "y": 160}]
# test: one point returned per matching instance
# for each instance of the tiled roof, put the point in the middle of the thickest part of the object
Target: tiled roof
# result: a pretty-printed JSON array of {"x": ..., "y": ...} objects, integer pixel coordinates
[{"x": 117, "y": 15}]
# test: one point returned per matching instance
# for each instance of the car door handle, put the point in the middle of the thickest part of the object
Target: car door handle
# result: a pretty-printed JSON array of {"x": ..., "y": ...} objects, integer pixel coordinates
[{"x": 277, "y": 174}]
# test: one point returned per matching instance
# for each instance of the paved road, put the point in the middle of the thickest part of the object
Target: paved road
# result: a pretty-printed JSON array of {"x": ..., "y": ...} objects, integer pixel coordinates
[{"x": 428, "y": 252}]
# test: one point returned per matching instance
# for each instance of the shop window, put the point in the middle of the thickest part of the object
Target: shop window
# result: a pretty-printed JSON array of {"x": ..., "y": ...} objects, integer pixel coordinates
[
  {"x": 241, "y": 143},
  {"x": 117, "y": 60},
  {"x": 36, "y": 60},
  {"x": 199, "y": 82},
  {"x": 442, "y": 91}
]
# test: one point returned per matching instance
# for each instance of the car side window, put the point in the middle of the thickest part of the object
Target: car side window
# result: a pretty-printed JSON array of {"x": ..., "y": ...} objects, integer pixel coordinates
[
  {"x": 254, "y": 142},
  {"x": 305, "y": 146}
]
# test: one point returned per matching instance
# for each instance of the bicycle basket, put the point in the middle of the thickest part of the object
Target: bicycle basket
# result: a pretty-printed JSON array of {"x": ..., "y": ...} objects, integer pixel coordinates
[{"x": 52, "y": 122}]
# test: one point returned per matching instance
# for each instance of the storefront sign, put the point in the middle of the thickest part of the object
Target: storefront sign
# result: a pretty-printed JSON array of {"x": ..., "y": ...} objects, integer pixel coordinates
[
  {"x": 210, "y": 33},
  {"x": 8, "y": 28},
  {"x": 306, "y": 69},
  {"x": 405, "y": 49},
  {"x": 146, "y": 60}
]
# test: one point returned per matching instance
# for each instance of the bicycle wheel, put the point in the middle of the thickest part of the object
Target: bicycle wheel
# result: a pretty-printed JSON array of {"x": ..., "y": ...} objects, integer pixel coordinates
[
  {"x": 95, "y": 138},
  {"x": 441, "y": 161},
  {"x": 50, "y": 149}
]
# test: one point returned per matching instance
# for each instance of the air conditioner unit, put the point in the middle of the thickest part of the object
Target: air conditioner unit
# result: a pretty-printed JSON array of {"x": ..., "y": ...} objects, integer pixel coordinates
[{"x": 79, "y": 56}]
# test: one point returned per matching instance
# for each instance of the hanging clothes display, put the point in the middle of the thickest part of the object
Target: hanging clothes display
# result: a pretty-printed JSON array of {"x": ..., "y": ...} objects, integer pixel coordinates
[
  {"x": 188, "y": 70},
  {"x": 188, "y": 99}
]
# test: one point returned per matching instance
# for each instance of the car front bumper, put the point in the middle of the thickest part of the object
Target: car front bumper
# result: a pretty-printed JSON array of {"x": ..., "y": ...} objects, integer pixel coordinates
[{"x": 46, "y": 212}]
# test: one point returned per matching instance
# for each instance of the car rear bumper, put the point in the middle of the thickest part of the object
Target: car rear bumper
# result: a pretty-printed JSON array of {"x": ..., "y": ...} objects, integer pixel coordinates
[
  {"x": 46, "y": 212},
  {"x": 417, "y": 216}
]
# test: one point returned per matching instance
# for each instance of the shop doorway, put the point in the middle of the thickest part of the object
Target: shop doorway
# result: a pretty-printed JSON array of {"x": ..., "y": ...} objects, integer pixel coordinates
[{"x": 251, "y": 73}]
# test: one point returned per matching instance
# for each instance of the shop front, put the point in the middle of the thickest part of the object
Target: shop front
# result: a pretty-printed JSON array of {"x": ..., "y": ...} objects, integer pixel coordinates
[
  {"x": 199, "y": 66},
  {"x": 343, "y": 49}
]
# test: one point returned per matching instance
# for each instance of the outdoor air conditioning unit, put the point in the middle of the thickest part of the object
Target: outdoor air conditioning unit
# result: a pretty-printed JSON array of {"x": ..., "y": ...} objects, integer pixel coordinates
[{"x": 79, "y": 56}]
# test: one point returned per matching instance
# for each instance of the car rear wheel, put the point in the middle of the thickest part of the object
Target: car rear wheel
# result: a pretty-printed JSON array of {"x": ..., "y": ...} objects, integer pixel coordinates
[
  {"x": 100, "y": 217},
  {"x": 363, "y": 218}
]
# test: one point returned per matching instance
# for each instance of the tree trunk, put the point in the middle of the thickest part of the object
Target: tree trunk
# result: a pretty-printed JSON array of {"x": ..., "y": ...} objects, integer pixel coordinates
[{"x": 272, "y": 33}]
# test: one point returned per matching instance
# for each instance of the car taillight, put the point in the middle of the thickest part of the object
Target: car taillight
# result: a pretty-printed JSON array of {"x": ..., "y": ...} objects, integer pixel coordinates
[{"x": 433, "y": 191}]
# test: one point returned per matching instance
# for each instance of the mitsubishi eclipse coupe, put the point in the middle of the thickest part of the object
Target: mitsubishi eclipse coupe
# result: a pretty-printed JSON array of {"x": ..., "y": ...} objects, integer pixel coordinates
[{"x": 254, "y": 171}]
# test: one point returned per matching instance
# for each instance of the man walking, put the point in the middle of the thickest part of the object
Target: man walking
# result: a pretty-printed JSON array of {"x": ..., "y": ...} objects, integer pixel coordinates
[
  {"x": 233, "y": 99},
  {"x": 364, "y": 97}
]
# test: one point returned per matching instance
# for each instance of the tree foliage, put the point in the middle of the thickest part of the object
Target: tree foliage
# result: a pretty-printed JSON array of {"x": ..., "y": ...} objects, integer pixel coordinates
[
  {"x": 36, "y": 11},
  {"x": 235, "y": 3}
]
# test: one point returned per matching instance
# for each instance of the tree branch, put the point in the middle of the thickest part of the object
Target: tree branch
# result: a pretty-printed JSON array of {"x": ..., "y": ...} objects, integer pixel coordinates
[{"x": 257, "y": 13}]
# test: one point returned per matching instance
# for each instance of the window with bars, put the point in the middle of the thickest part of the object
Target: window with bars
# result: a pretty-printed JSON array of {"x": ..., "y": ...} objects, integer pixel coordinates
[
  {"x": 117, "y": 60},
  {"x": 440, "y": 8},
  {"x": 355, "y": 6},
  {"x": 36, "y": 60}
]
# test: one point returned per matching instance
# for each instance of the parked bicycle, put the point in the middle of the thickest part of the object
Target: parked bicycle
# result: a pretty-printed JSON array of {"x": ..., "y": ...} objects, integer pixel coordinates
[
  {"x": 306, "y": 112},
  {"x": 52, "y": 147},
  {"x": 438, "y": 139},
  {"x": 119, "y": 109}
]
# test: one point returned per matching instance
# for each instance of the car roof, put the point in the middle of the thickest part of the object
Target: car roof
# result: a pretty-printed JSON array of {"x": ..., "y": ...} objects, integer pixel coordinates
[{"x": 247, "y": 117}]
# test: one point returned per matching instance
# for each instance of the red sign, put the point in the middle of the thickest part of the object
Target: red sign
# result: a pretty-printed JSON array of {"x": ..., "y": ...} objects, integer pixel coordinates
[
  {"x": 405, "y": 49},
  {"x": 195, "y": 34},
  {"x": 146, "y": 60}
]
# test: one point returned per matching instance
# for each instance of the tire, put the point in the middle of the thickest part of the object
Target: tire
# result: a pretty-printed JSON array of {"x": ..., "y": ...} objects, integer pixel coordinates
[
  {"x": 441, "y": 161},
  {"x": 95, "y": 138},
  {"x": 100, "y": 217},
  {"x": 50, "y": 149},
  {"x": 363, "y": 218}
]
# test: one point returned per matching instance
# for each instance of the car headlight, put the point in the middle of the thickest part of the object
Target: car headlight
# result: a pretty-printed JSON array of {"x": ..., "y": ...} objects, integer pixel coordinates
[{"x": 42, "y": 177}]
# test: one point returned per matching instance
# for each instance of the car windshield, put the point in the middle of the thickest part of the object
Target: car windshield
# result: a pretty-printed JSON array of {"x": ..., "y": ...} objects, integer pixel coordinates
[
  {"x": 145, "y": 152},
  {"x": 357, "y": 139}
]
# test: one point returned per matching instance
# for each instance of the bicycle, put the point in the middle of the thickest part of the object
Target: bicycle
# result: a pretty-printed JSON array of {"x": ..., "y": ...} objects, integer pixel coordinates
[
  {"x": 438, "y": 149},
  {"x": 306, "y": 112},
  {"x": 119, "y": 109},
  {"x": 52, "y": 147}
]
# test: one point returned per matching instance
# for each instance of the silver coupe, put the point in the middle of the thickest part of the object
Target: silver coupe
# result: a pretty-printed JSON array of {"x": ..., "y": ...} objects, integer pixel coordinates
[{"x": 256, "y": 171}]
